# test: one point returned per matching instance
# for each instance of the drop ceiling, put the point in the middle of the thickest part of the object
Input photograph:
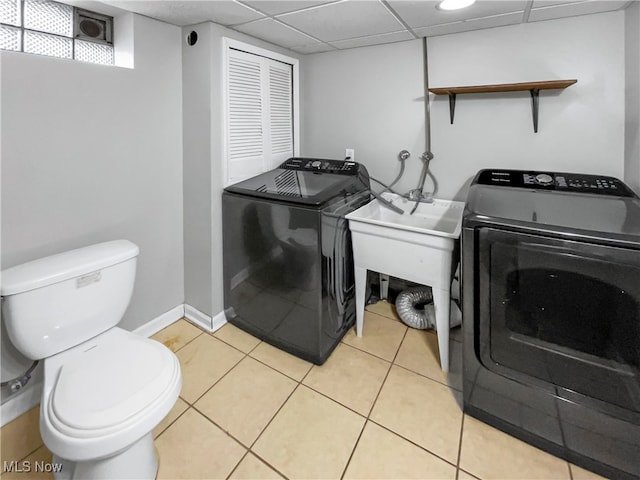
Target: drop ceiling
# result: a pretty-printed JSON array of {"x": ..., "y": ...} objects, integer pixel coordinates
[{"x": 313, "y": 26}]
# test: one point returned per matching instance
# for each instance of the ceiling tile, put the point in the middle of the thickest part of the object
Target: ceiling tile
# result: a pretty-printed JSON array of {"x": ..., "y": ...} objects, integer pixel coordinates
[
  {"x": 343, "y": 20},
  {"x": 315, "y": 48},
  {"x": 374, "y": 40},
  {"x": 573, "y": 9},
  {"x": 275, "y": 32},
  {"x": 468, "y": 25},
  {"x": 224, "y": 12},
  {"x": 425, "y": 14},
  {"x": 274, "y": 7},
  {"x": 548, "y": 3}
]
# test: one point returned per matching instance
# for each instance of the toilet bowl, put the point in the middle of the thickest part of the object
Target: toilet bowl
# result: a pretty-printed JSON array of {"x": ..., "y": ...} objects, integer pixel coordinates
[{"x": 105, "y": 389}]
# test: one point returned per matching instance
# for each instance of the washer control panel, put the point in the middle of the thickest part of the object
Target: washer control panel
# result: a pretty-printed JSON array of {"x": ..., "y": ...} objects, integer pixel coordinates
[
  {"x": 564, "y": 182},
  {"x": 321, "y": 165}
]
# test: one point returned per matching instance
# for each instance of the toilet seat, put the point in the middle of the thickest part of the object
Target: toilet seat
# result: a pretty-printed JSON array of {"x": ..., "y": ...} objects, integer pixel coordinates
[{"x": 106, "y": 393}]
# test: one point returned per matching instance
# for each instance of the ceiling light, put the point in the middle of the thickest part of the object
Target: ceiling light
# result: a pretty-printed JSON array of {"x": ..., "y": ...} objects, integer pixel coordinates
[{"x": 455, "y": 4}]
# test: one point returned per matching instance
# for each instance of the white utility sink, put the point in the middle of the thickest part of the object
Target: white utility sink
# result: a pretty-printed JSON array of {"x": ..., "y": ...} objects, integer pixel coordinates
[{"x": 421, "y": 248}]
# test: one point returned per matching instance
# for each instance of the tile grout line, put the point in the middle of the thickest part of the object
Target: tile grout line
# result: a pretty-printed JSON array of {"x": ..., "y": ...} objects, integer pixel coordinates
[
  {"x": 300, "y": 382},
  {"x": 342, "y": 404},
  {"x": 355, "y": 445},
  {"x": 450, "y": 387},
  {"x": 274, "y": 416},
  {"x": 449, "y": 462},
  {"x": 181, "y": 346},
  {"x": 238, "y": 464},
  {"x": 245, "y": 355},
  {"x": 173, "y": 421},
  {"x": 278, "y": 371},
  {"x": 250, "y": 448},
  {"x": 460, "y": 446},
  {"x": 376, "y": 400},
  {"x": 369, "y": 419},
  {"x": 353, "y": 450},
  {"x": 395, "y": 357},
  {"x": 31, "y": 453},
  {"x": 242, "y": 445},
  {"x": 267, "y": 426},
  {"x": 221, "y": 428}
]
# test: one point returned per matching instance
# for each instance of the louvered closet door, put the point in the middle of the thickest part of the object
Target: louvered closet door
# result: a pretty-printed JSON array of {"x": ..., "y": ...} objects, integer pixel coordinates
[
  {"x": 259, "y": 115},
  {"x": 245, "y": 136},
  {"x": 280, "y": 145}
]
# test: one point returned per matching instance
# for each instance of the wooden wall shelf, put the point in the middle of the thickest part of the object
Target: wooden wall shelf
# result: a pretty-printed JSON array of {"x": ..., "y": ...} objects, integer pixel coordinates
[{"x": 533, "y": 88}]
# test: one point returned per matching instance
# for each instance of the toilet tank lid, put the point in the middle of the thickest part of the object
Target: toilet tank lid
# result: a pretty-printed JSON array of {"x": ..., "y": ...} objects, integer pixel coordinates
[{"x": 64, "y": 266}]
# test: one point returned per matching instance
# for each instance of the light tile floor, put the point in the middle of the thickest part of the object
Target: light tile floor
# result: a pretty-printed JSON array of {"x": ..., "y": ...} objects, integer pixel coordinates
[{"x": 380, "y": 407}]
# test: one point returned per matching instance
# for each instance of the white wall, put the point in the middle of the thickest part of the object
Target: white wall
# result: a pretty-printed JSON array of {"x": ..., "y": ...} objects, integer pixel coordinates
[
  {"x": 93, "y": 153},
  {"x": 632, "y": 97},
  {"x": 203, "y": 163},
  {"x": 197, "y": 168},
  {"x": 372, "y": 99}
]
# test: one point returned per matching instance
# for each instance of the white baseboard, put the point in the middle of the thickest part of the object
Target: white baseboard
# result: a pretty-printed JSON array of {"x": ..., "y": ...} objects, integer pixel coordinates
[
  {"x": 219, "y": 321},
  {"x": 21, "y": 402},
  {"x": 203, "y": 320},
  {"x": 160, "y": 322},
  {"x": 198, "y": 318}
]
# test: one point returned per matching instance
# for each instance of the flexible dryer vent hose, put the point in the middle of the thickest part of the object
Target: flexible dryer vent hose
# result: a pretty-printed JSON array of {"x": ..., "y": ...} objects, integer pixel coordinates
[{"x": 406, "y": 303}]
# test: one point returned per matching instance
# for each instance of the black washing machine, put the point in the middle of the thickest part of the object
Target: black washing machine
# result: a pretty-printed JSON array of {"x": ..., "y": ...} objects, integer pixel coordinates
[
  {"x": 551, "y": 314},
  {"x": 288, "y": 261}
]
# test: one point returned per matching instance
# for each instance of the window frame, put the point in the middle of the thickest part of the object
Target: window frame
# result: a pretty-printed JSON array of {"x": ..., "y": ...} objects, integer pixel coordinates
[
  {"x": 230, "y": 43},
  {"x": 77, "y": 14}
]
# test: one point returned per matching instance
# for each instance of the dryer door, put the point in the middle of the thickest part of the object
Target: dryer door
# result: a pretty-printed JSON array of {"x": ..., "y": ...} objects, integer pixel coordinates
[{"x": 562, "y": 312}]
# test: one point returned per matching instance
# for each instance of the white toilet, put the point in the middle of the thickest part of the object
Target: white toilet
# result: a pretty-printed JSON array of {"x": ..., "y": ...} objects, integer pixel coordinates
[{"x": 105, "y": 389}]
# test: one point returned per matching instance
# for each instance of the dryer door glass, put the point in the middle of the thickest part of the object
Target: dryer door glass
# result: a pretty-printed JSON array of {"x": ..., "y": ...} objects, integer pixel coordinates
[{"x": 566, "y": 313}]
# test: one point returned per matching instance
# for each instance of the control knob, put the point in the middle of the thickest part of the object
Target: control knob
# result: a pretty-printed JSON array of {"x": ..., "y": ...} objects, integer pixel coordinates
[
  {"x": 544, "y": 179},
  {"x": 316, "y": 164}
]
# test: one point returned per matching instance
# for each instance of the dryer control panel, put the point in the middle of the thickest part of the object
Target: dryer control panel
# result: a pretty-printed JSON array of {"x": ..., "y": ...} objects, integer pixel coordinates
[
  {"x": 321, "y": 165},
  {"x": 563, "y": 182}
]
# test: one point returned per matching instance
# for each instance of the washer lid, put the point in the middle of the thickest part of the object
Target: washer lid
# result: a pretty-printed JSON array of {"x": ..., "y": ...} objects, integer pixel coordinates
[
  {"x": 594, "y": 213},
  {"x": 311, "y": 188},
  {"x": 111, "y": 381}
]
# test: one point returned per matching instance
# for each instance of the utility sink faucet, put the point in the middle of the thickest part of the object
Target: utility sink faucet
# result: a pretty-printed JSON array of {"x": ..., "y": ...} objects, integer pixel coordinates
[{"x": 418, "y": 194}]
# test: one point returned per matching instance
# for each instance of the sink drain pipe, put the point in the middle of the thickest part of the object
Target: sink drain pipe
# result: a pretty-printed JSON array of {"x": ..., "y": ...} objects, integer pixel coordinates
[{"x": 407, "y": 304}]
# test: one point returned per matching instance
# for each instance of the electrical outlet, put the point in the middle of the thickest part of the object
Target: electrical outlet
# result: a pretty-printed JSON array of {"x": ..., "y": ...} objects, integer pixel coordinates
[{"x": 350, "y": 153}]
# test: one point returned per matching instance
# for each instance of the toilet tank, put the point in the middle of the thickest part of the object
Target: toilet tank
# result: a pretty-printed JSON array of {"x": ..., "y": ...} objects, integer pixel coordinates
[{"x": 57, "y": 302}]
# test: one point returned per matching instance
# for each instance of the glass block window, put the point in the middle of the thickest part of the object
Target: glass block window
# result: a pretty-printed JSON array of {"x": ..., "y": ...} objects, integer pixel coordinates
[
  {"x": 94, "y": 52},
  {"x": 45, "y": 44},
  {"x": 10, "y": 12},
  {"x": 10, "y": 38},
  {"x": 49, "y": 17},
  {"x": 55, "y": 29}
]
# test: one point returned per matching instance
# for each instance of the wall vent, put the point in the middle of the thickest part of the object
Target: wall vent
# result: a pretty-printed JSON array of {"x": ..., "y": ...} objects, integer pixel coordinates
[{"x": 93, "y": 27}]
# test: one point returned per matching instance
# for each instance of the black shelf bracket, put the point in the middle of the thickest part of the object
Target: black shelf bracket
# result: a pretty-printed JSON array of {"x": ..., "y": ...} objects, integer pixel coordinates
[
  {"x": 532, "y": 87},
  {"x": 535, "y": 101},
  {"x": 535, "y": 94},
  {"x": 452, "y": 106}
]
